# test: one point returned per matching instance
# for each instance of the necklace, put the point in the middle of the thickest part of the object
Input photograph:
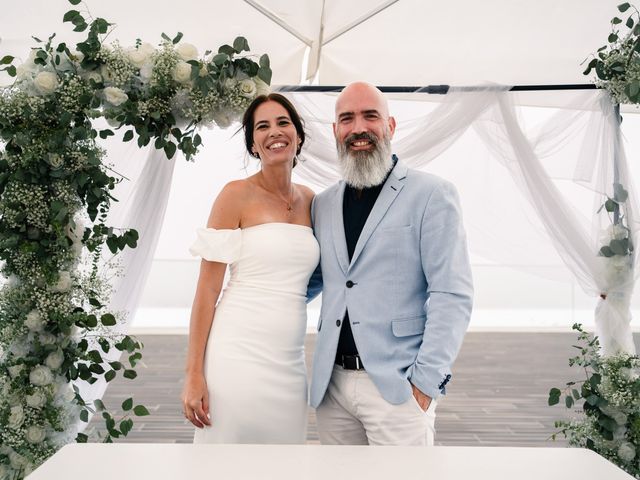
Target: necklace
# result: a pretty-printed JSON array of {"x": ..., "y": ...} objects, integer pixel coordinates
[{"x": 288, "y": 202}]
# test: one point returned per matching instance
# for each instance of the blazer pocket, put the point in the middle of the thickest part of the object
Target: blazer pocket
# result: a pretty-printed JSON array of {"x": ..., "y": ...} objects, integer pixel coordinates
[
  {"x": 409, "y": 326},
  {"x": 396, "y": 228}
]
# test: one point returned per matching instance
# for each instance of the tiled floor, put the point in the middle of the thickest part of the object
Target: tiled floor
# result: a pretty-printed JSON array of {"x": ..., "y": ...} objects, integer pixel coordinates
[{"x": 498, "y": 394}]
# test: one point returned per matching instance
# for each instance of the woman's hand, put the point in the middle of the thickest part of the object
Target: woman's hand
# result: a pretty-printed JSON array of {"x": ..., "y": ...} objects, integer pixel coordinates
[{"x": 195, "y": 400}]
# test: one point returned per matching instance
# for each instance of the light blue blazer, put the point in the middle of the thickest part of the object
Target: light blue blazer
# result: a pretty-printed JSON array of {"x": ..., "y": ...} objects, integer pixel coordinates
[{"x": 410, "y": 302}]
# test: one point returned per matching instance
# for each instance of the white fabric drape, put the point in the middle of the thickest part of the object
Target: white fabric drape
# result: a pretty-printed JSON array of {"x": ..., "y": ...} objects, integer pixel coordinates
[
  {"x": 144, "y": 211},
  {"x": 580, "y": 144}
]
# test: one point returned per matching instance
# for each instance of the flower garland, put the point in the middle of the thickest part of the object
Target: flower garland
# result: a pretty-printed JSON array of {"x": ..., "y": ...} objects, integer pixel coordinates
[{"x": 55, "y": 193}]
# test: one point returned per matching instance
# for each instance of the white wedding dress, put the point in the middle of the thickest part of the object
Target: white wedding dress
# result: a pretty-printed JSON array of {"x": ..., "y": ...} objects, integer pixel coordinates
[{"x": 254, "y": 361}]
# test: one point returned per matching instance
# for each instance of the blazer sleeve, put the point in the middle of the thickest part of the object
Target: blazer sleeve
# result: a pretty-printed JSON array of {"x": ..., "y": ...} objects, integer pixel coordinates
[
  {"x": 445, "y": 263},
  {"x": 315, "y": 282}
]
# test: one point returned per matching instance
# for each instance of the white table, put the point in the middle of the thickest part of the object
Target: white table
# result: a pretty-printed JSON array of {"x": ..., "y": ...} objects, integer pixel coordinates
[{"x": 301, "y": 462}]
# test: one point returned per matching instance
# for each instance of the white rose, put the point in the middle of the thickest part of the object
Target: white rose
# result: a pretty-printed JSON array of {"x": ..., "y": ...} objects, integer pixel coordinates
[
  {"x": 77, "y": 56},
  {"x": 617, "y": 232},
  {"x": 15, "y": 370},
  {"x": 46, "y": 82},
  {"x": 34, "y": 321},
  {"x": 54, "y": 360},
  {"x": 92, "y": 75},
  {"x": 64, "y": 282},
  {"x": 35, "y": 434},
  {"x": 19, "y": 349},
  {"x": 17, "y": 461},
  {"x": 187, "y": 51},
  {"x": 55, "y": 160},
  {"x": 248, "y": 88},
  {"x": 629, "y": 374},
  {"x": 112, "y": 122},
  {"x": 145, "y": 72},
  {"x": 46, "y": 338},
  {"x": 16, "y": 417},
  {"x": 141, "y": 55},
  {"x": 230, "y": 83},
  {"x": 182, "y": 72},
  {"x": 262, "y": 87},
  {"x": 627, "y": 451},
  {"x": 222, "y": 119},
  {"x": 24, "y": 71},
  {"x": 115, "y": 96},
  {"x": 40, "y": 376},
  {"x": 76, "y": 231},
  {"x": 36, "y": 399},
  {"x": 106, "y": 75}
]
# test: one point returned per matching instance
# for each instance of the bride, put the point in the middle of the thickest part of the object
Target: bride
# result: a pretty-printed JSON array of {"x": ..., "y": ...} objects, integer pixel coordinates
[{"x": 245, "y": 375}]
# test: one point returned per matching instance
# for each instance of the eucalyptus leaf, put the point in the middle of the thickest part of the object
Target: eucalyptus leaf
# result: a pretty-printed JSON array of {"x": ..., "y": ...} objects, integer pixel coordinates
[
  {"x": 623, "y": 7},
  {"x": 264, "y": 74},
  {"x": 140, "y": 411},
  {"x": 70, "y": 15},
  {"x": 127, "y": 404},
  {"x": 619, "y": 192},
  {"x": 108, "y": 320}
]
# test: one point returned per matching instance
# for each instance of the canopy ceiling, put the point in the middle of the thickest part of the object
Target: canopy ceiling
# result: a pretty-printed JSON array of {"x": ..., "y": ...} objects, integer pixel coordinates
[{"x": 387, "y": 42}]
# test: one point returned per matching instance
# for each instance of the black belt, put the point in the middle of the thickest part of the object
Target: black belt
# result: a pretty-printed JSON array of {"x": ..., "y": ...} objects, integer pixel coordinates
[{"x": 350, "y": 362}]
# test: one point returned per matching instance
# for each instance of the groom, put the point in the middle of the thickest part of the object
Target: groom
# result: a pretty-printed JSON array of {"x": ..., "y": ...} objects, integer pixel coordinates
[{"x": 396, "y": 286}]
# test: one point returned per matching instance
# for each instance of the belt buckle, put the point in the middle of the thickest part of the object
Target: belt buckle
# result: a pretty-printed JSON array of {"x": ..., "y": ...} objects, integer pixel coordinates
[{"x": 346, "y": 362}]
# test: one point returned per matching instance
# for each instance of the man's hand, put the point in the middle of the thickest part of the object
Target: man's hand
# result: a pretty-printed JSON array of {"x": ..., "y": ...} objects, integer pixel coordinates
[{"x": 423, "y": 399}]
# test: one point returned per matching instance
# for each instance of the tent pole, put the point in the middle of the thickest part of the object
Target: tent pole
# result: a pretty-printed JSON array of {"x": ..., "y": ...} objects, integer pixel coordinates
[{"x": 435, "y": 89}]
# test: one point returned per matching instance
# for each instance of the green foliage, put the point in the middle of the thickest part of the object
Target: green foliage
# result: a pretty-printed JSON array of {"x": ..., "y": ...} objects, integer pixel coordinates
[
  {"x": 55, "y": 196},
  {"x": 617, "y": 64},
  {"x": 610, "y": 395}
]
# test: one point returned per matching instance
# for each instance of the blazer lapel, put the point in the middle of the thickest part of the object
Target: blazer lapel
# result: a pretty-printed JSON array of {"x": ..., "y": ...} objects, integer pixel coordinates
[
  {"x": 388, "y": 194},
  {"x": 339, "y": 238}
]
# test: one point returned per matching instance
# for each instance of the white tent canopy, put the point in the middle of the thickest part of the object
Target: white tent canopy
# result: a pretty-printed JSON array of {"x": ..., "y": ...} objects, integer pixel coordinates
[
  {"x": 388, "y": 42},
  {"x": 327, "y": 42}
]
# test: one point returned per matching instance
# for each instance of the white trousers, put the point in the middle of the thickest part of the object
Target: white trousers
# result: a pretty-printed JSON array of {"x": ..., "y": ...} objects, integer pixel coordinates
[{"x": 354, "y": 413}]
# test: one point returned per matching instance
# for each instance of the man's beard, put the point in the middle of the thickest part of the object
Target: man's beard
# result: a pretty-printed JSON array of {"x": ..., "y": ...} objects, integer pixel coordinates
[{"x": 363, "y": 168}]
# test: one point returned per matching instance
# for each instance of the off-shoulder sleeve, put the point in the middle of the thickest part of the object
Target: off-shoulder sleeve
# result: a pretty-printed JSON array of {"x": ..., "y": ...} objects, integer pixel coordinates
[{"x": 217, "y": 245}]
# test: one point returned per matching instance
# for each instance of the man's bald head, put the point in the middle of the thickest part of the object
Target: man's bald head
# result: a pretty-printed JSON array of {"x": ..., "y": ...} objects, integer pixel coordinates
[{"x": 362, "y": 92}]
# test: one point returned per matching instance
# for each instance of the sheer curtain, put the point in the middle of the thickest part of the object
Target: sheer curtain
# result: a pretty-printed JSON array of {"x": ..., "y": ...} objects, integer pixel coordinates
[{"x": 579, "y": 145}]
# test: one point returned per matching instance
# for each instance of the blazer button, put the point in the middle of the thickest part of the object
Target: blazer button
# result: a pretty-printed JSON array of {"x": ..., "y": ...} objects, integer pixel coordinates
[
  {"x": 350, "y": 284},
  {"x": 337, "y": 323}
]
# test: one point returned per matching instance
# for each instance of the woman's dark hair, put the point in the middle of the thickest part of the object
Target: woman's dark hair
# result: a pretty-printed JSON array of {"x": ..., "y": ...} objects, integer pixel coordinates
[{"x": 249, "y": 114}]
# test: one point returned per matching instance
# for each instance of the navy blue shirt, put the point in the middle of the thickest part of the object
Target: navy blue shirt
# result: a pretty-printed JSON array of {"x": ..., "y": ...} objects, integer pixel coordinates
[{"x": 356, "y": 207}]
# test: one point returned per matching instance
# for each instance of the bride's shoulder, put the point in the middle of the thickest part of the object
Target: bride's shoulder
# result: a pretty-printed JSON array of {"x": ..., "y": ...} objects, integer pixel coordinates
[
  {"x": 306, "y": 192},
  {"x": 236, "y": 187},
  {"x": 228, "y": 206}
]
